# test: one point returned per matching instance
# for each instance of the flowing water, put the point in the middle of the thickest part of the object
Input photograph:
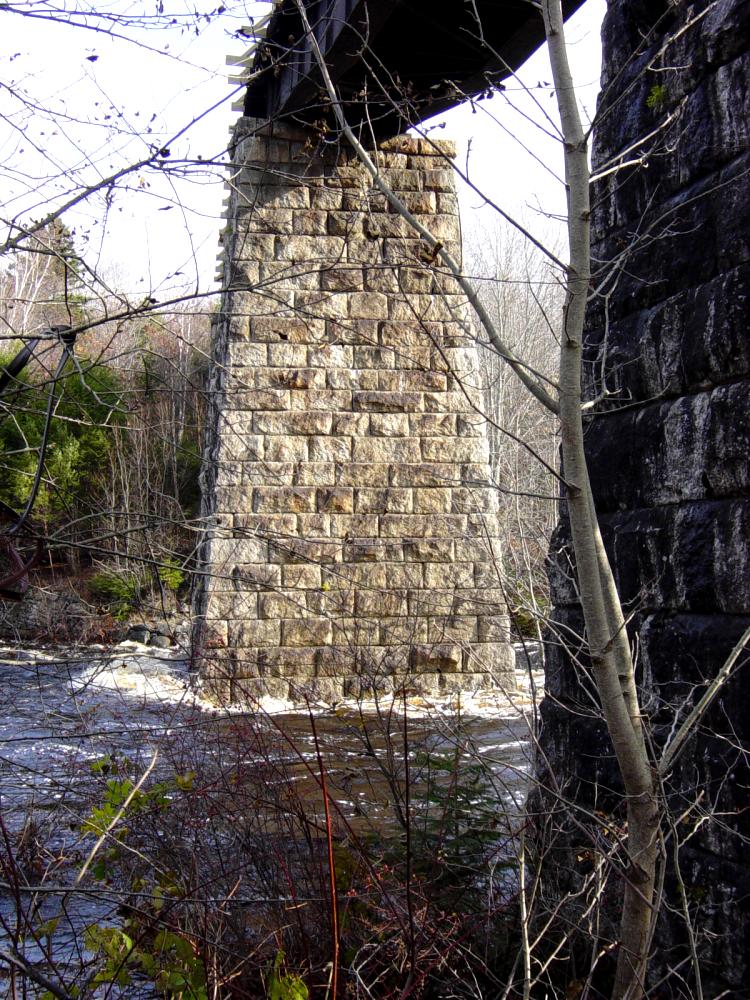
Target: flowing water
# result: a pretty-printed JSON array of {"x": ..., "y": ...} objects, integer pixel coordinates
[{"x": 231, "y": 784}]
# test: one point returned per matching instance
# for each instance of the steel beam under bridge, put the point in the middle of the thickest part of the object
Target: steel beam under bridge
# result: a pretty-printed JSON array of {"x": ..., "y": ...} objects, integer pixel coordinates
[{"x": 394, "y": 62}]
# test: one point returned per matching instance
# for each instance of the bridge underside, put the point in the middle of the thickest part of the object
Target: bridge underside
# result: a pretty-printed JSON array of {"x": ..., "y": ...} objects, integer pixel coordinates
[{"x": 393, "y": 63}]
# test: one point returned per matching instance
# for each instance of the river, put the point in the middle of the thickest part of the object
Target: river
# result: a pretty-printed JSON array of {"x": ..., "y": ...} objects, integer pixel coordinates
[{"x": 232, "y": 798}]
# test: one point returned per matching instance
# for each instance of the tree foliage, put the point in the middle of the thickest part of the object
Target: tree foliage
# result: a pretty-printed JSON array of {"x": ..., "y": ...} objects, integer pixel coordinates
[{"x": 87, "y": 405}]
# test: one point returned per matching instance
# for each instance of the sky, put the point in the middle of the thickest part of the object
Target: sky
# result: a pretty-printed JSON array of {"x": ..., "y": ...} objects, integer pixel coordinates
[
  {"x": 90, "y": 104},
  {"x": 509, "y": 143},
  {"x": 85, "y": 97}
]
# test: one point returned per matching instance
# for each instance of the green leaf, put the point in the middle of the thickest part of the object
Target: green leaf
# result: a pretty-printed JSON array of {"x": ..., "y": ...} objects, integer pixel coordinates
[
  {"x": 284, "y": 985},
  {"x": 185, "y": 781},
  {"x": 99, "y": 871},
  {"x": 48, "y": 928}
]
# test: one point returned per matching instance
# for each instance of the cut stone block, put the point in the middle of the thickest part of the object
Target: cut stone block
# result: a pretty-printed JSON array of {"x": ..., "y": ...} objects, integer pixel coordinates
[{"x": 352, "y": 492}]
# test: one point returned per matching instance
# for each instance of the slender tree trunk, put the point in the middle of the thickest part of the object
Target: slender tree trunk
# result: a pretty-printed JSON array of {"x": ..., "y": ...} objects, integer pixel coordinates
[{"x": 608, "y": 644}]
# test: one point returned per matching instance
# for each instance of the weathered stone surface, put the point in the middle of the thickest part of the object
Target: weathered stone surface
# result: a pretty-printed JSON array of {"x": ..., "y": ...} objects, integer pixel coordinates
[
  {"x": 382, "y": 501},
  {"x": 49, "y": 614},
  {"x": 668, "y": 449},
  {"x": 438, "y": 658},
  {"x": 387, "y": 402},
  {"x": 340, "y": 450}
]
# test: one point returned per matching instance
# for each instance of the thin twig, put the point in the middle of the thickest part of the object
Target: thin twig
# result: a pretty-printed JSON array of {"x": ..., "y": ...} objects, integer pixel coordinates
[
  {"x": 331, "y": 867},
  {"x": 13, "y": 958},
  {"x": 677, "y": 745},
  {"x": 118, "y": 816}
]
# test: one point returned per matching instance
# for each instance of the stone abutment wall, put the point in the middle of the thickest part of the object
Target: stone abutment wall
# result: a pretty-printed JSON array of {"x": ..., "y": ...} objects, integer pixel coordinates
[
  {"x": 345, "y": 482},
  {"x": 669, "y": 451}
]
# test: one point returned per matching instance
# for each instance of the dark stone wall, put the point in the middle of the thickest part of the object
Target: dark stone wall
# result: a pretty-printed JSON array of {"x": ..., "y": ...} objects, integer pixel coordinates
[{"x": 668, "y": 343}]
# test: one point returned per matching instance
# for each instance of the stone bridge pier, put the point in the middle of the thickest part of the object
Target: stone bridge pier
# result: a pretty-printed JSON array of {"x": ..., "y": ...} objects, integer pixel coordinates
[{"x": 350, "y": 522}]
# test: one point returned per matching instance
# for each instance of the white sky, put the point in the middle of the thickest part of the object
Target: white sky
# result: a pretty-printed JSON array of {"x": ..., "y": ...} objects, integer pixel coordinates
[
  {"x": 512, "y": 157},
  {"x": 80, "y": 118}
]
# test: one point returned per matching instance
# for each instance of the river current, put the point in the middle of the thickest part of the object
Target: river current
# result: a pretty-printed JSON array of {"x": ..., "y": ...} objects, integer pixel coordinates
[{"x": 75, "y": 724}]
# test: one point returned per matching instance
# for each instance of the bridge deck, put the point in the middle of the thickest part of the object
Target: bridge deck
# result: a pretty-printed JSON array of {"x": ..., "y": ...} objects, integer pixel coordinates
[{"x": 395, "y": 62}]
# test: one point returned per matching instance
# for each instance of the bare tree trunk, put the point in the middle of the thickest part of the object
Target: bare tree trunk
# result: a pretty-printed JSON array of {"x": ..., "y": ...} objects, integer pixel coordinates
[{"x": 608, "y": 644}]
